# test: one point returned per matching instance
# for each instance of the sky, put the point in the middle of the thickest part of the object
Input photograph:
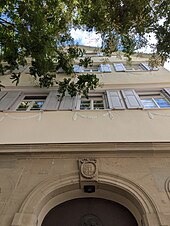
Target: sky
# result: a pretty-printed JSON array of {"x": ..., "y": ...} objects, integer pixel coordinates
[{"x": 93, "y": 39}]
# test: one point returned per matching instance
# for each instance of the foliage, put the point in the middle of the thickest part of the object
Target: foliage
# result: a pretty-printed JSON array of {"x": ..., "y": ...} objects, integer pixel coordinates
[
  {"x": 40, "y": 30},
  {"x": 87, "y": 61},
  {"x": 83, "y": 84}
]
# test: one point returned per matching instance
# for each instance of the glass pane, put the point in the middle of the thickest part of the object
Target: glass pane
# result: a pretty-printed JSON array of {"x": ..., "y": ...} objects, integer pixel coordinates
[
  {"x": 149, "y": 103},
  {"x": 98, "y": 104},
  {"x": 37, "y": 105},
  {"x": 162, "y": 102},
  {"x": 23, "y": 106},
  {"x": 85, "y": 105}
]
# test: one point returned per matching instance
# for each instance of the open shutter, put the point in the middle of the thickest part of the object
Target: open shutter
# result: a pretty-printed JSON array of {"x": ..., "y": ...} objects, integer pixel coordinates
[
  {"x": 78, "y": 69},
  {"x": 9, "y": 100},
  {"x": 67, "y": 103},
  {"x": 115, "y": 99},
  {"x": 52, "y": 101},
  {"x": 2, "y": 94},
  {"x": 132, "y": 99},
  {"x": 166, "y": 91},
  {"x": 148, "y": 68},
  {"x": 119, "y": 67}
]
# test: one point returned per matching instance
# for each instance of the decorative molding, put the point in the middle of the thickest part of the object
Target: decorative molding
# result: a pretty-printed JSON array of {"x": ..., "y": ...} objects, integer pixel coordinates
[
  {"x": 95, "y": 147},
  {"x": 88, "y": 168},
  {"x": 167, "y": 187}
]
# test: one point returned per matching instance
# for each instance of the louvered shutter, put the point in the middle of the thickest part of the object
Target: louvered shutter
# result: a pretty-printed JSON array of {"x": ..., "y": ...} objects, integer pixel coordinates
[
  {"x": 148, "y": 68},
  {"x": 115, "y": 99},
  {"x": 78, "y": 69},
  {"x": 52, "y": 101},
  {"x": 132, "y": 99},
  {"x": 67, "y": 103},
  {"x": 8, "y": 100},
  {"x": 119, "y": 67},
  {"x": 166, "y": 91},
  {"x": 2, "y": 94}
]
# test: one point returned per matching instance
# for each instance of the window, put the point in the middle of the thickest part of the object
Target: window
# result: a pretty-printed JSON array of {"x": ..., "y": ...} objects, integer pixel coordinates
[
  {"x": 155, "y": 101},
  {"x": 31, "y": 103},
  {"x": 96, "y": 101},
  {"x": 133, "y": 67}
]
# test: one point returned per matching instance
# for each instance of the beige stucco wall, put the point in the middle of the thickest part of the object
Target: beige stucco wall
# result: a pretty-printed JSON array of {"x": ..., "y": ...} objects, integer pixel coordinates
[{"x": 85, "y": 126}]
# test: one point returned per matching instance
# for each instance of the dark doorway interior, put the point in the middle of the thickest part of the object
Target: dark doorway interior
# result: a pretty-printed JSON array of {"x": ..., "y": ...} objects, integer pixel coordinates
[{"x": 89, "y": 212}]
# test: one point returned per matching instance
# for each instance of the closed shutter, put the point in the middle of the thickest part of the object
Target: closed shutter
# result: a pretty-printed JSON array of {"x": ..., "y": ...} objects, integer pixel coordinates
[
  {"x": 132, "y": 99},
  {"x": 78, "y": 69},
  {"x": 52, "y": 101},
  {"x": 115, "y": 99},
  {"x": 67, "y": 103},
  {"x": 9, "y": 100},
  {"x": 119, "y": 67}
]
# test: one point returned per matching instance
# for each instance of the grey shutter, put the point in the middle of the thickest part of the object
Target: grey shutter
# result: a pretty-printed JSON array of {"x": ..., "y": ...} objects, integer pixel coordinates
[
  {"x": 2, "y": 94},
  {"x": 67, "y": 103},
  {"x": 119, "y": 67},
  {"x": 115, "y": 99},
  {"x": 52, "y": 101},
  {"x": 167, "y": 92},
  {"x": 8, "y": 100},
  {"x": 132, "y": 99},
  {"x": 148, "y": 68}
]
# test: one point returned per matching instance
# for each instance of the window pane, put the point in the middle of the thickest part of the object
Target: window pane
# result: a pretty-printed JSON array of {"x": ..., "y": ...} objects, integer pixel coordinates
[
  {"x": 98, "y": 104},
  {"x": 148, "y": 103},
  {"x": 23, "y": 105},
  {"x": 162, "y": 102},
  {"x": 37, "y": 105},
  {"x": 85, "y": 105}
]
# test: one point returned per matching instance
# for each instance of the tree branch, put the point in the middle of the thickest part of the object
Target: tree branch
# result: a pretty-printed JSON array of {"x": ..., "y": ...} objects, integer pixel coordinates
[{"x": 7, "y": 22}]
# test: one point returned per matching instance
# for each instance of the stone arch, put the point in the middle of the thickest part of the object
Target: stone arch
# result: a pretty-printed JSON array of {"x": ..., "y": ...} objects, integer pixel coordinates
[{"x": 54, "y": 191}]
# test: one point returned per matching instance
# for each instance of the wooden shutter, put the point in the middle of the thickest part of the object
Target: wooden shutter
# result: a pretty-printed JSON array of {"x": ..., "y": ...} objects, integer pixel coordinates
[
  {"x": 2, "y": 94},
  {"x": 52, "y": 101},
  {"x": 119, "y": 67},
  {"x": 132, "y": 99},
  {"x": 8, "y": 100},
  {"x": 166, "y": 91},
  {"x": 67, "y": 103},
  {"x": 148, "y": 68},
  {"x": 115, "y": 99}
]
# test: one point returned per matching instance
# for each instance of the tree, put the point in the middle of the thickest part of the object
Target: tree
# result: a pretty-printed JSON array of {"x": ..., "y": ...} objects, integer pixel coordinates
[{"x": 40, "y": 29}]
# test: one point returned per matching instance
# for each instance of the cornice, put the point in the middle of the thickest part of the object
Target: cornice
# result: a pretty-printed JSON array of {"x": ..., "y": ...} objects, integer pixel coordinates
[{"x": 97, "y": 148}]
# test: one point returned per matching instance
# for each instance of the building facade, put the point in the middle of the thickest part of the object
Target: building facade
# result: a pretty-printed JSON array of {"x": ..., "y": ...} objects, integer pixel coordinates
[{"x": 101, "y": 161}]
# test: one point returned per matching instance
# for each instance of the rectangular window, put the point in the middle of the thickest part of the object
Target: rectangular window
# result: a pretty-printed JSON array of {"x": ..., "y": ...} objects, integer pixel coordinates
[
  {"x": 95, "y": 101},
  {"x": 133, "y": 67},
  {"x": 31, "y": 103},
  {"x": 157, "y": 100}
]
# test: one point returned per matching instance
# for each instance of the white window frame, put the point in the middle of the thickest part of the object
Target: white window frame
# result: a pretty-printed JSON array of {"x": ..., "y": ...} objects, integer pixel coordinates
[
  {"x": 15, "y": 106},
  {"x": 123, "y": 67},
  {"x": 153, "y": 95},
  {"x": 91, "y": 98}
]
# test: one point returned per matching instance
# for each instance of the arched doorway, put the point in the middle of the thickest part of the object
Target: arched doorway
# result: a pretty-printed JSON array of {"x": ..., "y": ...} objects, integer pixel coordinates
[{"x": 89, "y": 212}]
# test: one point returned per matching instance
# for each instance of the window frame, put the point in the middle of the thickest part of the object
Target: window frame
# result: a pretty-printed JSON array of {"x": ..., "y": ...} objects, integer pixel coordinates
[
  {"x": 92, "y": 97},
  {"x": 17, "y": 103},
  {"x": 153, "y": 95},
  {"x": 124, "y": 67}
]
